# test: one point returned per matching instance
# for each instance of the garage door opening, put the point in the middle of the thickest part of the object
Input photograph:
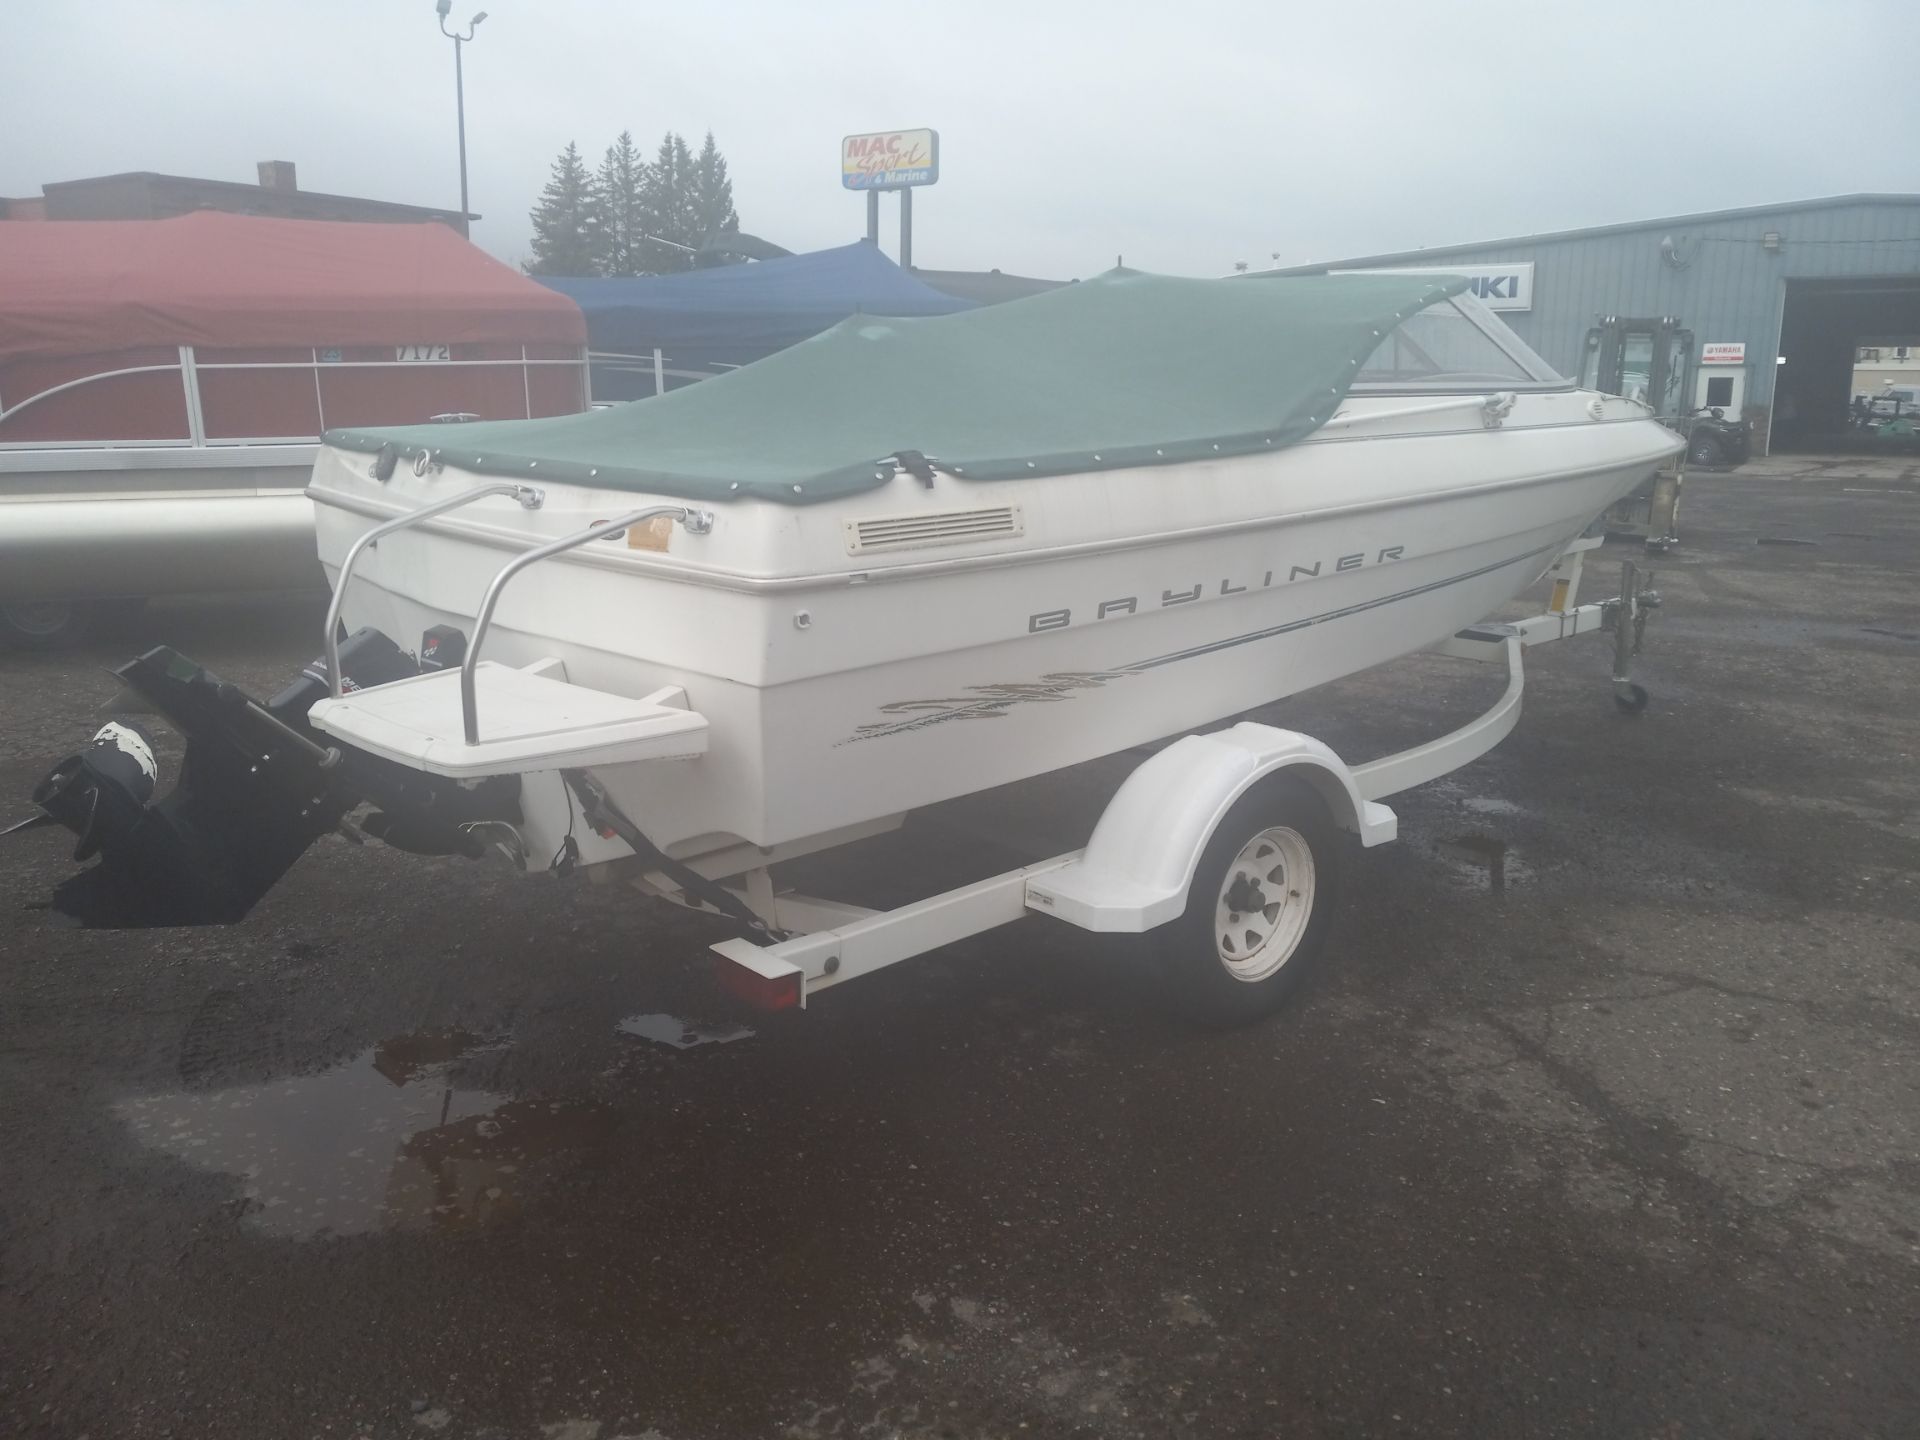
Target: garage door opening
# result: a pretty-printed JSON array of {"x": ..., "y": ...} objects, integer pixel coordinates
[{"x": 1828, "y": 332}]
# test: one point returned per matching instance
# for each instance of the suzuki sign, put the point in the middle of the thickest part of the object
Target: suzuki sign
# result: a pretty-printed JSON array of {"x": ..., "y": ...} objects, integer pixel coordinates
[{"x": 1502, "y": 287}]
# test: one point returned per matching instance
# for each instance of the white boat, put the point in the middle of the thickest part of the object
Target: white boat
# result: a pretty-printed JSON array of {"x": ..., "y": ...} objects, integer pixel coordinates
[{"x": 1061, "y": 528}]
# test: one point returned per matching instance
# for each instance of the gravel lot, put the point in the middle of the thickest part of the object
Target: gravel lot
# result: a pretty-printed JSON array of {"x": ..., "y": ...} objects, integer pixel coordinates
[{"x": 1627, "y": 1145}]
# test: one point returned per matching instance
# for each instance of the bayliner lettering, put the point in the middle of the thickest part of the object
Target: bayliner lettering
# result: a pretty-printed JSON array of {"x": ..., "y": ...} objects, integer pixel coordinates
[{"x": 1237, "y": 585}]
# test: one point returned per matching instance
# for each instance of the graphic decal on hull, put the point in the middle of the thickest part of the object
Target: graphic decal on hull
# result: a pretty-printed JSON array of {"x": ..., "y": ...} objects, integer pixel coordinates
[
  {"x": 991, "y": 702},
  {"x": 987, "y": 702}
]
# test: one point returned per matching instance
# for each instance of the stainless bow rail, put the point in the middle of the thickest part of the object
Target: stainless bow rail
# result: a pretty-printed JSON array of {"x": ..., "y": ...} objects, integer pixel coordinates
[
  {"x": 697, "y": 522},
  {"x": 531, "y": 497}
]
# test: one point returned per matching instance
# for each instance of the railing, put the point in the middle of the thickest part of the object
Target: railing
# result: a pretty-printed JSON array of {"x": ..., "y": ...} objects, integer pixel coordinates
[
  {"x": 47, "y": 394},
  {"x": 529, "y": 496},
  {"x": 656, "y": 364},
  {"x": 697, "y": 522},
  {"x": 189, "y": 368}
]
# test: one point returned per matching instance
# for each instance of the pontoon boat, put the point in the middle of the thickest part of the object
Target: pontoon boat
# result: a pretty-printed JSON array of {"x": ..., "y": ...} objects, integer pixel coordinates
[{"x": 164, "y": 385}]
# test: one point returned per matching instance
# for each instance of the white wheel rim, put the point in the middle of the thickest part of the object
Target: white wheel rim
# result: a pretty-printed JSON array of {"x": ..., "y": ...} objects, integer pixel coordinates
[
  {"x": 1265, "y": 902},
  {"x": 39, "y": 618}
]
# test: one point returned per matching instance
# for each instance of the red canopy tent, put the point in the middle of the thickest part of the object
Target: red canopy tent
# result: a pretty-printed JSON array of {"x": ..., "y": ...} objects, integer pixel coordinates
[{"x": 290, "y": 327}]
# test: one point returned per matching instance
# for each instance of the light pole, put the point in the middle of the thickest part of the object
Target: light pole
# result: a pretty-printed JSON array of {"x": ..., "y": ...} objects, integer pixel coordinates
[{"x": 443, "y": 7}]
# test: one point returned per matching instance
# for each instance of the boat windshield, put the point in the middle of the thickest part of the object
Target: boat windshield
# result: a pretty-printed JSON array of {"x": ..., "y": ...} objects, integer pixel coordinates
[{"x": 1455, "y": 343}]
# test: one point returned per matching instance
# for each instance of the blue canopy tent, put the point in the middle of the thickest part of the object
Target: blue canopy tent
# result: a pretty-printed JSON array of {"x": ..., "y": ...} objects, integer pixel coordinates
[{"x": 646, "y": 330}]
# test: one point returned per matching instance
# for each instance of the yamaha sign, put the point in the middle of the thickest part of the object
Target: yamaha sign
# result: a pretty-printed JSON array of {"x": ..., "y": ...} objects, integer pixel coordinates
[{"x": 1502, "y": 287}]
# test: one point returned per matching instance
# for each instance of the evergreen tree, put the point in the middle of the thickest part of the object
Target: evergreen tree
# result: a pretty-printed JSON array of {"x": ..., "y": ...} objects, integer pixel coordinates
[
  {"x": 566, "y": 228},
  {"x": 630, "y": 217},
  {"x": 712, "y": 192},
  {"x": 619, "y": 194},
  {"x": 667, "y": 208}
]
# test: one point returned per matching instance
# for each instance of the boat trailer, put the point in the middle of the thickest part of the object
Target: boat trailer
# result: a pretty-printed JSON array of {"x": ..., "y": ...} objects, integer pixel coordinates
[{"x": 1137, "y": 870}]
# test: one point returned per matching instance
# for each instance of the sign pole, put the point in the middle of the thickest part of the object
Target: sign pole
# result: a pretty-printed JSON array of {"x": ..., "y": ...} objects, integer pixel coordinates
[{"x": 889, "y": 160}]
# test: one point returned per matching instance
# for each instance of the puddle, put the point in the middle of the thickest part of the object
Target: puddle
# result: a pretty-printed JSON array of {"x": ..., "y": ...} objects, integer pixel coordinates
[
  {"x": 1483, "y": 861},
  {"x": 1487, "y": 805},
  {"x": 682, "y": 1034},
  {"x": 389, "y": 1140}
]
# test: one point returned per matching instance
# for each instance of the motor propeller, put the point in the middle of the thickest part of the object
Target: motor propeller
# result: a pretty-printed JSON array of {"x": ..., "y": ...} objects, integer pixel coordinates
[
  {"x": 256, "y": 787},
  {"x": 117, "y": 763}
]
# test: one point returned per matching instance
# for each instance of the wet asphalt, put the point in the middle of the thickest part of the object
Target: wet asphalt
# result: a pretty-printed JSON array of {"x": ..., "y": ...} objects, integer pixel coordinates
[{"x": 1624, "y": 1141}]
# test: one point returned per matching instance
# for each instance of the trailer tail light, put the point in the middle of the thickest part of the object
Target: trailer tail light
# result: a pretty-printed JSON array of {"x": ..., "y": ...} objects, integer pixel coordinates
[{"x": 754, "y": 986}]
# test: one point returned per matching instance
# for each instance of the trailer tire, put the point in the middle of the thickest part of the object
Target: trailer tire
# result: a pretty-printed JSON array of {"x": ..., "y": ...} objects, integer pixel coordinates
[
  {"x": 43, "y": 624},
  {"x": 1224, "y": 966},
  {"x": 57, "y": 624}
]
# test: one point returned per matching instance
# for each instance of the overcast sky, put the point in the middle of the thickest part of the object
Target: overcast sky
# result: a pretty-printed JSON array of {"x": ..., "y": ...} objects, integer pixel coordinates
[{"x": 1184, "y": 136}]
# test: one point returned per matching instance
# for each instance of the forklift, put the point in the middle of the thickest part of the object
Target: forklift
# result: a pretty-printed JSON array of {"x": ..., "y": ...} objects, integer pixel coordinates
[{"x": 1648, "y": 360}]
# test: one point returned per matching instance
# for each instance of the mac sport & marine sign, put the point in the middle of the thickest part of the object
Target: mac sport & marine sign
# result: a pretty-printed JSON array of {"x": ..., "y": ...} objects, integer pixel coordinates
[{"x": 890, "y": 160}]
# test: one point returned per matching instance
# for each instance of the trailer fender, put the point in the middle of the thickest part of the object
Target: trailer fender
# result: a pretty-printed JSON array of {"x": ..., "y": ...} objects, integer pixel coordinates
[{"x": 1135, "y": 872}]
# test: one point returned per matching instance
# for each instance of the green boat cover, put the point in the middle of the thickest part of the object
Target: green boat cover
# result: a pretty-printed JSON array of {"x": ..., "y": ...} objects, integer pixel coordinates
[{"x": 1125, "y": 369}]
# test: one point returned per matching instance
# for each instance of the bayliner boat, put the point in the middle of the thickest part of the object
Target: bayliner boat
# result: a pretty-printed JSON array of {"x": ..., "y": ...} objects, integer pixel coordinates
[{"x": 902, "y": 562}]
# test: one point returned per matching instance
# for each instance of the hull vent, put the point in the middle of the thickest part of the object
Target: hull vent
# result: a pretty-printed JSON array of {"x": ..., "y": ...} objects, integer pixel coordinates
[{"x": 948, "y": 527}]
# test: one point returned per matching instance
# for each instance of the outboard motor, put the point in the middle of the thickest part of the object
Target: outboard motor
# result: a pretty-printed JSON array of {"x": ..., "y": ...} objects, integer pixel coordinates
[
  {"x": 116, "y": 774},
  {"x": 257, "y": 786}
]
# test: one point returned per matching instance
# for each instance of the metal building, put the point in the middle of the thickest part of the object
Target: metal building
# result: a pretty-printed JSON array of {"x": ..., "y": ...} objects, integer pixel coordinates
[
  {"x": 144, "y": 195},
  {"x": 1758, "y": 311}
]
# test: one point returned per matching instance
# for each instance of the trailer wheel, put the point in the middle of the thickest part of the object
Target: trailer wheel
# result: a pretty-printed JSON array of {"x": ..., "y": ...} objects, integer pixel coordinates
[
  {"x": 42, "y": 624},
  {"x": 1258, "y": 908}
]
